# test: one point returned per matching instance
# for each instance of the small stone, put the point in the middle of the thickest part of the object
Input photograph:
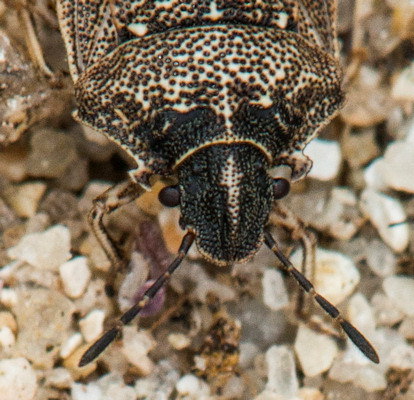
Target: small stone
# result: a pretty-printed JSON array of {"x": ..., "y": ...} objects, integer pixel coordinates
[
  {"x": 403, "y": 87},
  {"x": 59, "y": 378},
  {"x": 7, "y": 339},
  {"x": 335, "y": 274},
  {"x": 400, "y": 290},
  {"x": 398, "y": 166},
  {"x": 12, "y": 162},
  {"x": 383, "y": 210},
  {"x": 326, "y": 157},
  {"x": 17, "y": 379},
  {"x": 51, "y": 154},
  {"x": 135, "y": 346},
  {"x": 306, "y": 393},
  {"x": 113, "y": 386},
  {"x": 204, "y": 285},
  {"x": 44, "y": 250},
  {"x": 367, "y": 103},
  {"x": 340, "y": 217},
  {"x": 92, "y": 325},
  {"x": 91, "y": 391},
  {"x": 274, "y": 290},
  {"x": 407, "y": 328},
  {"x": 315, "y": 351},
  {"x": 8, "y": 297},
  {"x": 235, "y": 388},
  {"x": 160, "y": 384},
  {"x": 361, "y": 314},
  {"x": 360, "y": 148},
  {"x": 385, "y": 311},
  {"x": 98, "y": 259},
  {"x": 373, "y": 175},
  {"x": 380, "y": 258},
  {"x": 367, "y": 377},
  {"x": 402, "y": 357},
  {"x": 192, "y": 388},
  {"x": 7, "y": 319},
  {"x": 267, "y": 395},
  {"x": 248, "y": 352},
  {"x": 72, "y": 363},
  {"x": 179, "y": 341},
  {"x": 69, "y": 346},
  {"x": 43, "y": 318},
  {"x": 281, "y": 375},
  {"x": 135, "y": 278},
  {"x": 75, "y": 275},
  {"x": 25, "y": 198}
]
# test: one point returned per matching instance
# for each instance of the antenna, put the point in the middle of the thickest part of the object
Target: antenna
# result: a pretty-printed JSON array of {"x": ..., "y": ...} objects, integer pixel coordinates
[
  {"x": 109, "y": 336},
  {"x": 357, "y": 337}
]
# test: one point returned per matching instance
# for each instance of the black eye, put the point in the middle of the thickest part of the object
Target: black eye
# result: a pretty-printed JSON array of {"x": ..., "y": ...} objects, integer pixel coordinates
[
  {"x": 169, "y": 196},
  {"x": 281, "y": 188}
]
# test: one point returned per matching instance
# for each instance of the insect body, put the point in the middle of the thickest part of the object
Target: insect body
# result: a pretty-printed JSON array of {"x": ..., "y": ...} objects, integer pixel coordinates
[{"x": 218, "y": 93}]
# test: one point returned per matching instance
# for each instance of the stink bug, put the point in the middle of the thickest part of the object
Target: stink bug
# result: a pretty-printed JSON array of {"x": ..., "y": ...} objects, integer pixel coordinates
[{"x": 217, "y": 93}]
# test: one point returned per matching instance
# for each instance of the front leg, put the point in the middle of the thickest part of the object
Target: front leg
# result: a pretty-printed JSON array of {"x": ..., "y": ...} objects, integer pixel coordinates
[{"x": 113, "y": 198}]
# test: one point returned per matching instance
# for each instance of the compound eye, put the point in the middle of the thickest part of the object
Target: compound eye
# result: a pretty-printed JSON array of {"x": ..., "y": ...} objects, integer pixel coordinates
[
  {"x": 169, "y": 196},
  {"x": 281, "y": 188}
]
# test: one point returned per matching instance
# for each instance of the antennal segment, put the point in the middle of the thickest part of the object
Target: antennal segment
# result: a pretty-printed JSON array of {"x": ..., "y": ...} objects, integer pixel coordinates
[
  {"x": 357, "y": 338},
  {"x": 109, "y": 336}
]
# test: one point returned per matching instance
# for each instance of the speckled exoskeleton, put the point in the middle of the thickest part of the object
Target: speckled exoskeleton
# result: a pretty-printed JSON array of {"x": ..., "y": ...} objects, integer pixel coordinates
[{"x": 222, "y": 94}]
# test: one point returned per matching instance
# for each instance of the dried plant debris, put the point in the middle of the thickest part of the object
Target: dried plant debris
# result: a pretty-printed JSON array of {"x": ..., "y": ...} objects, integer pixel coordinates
[{"x": 57, "y": 294}]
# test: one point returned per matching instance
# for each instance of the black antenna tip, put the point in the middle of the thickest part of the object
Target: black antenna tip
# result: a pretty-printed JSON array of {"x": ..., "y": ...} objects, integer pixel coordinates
[
  {"x": 98, "y": 347},
  {"x": 360, "y": 341}
]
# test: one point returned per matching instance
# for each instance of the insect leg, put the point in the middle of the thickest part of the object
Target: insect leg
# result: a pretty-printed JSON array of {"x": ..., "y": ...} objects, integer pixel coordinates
[
  {"x": 107, "y": 202},
  {"x": 357, "y": 338},
  {"x": 108, "y": 337}
]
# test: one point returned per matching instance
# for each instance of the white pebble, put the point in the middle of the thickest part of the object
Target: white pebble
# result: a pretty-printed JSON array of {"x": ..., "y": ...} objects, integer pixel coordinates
[
  {"x": 326, "y": 156},
  {"x": 400, "y": 290},
  {"x": 192, "y": 388},
  {"x": 113, "y": 387},
  {"x": 92, "y": 325},
  {"x": 281, "y": 372},
  {"x": 70, "y": 345},
  {"x": 26, "y": 199},
  {"x": 403, "y": 87},
  {"x": 205, "y": 286},
  {"x": 75, "y": 275},
  {"x": 383, "y": 210},
  {"x": 8, "y": 297},
  {"x": 398, "y": 167},
  {"x": 179, "y": 341},
  {"x": 267, "y": 395},
  {"x": 7, "y": 339},
  {"x": 135, "y": 347},
  {"x": 248, "y": 352},
  {"x": 380, "y": 258},
  {"x": 91, "y": 391},
  {"x": 274, "y": 290},
  {"x": 336, "y": 275},
  {"x": 366, "y": 376},
  {"x": 59, "y": 378},
  {"x": 402, "y": 357},
  {"x": 373, "y": 175},
  {"x": 407, "y": 328},
  {"x": 385, "y": 311},
  {"x": 361, "y": 314},
  {"x": 17, "y": 379},
  {"x": 315, "y": 351},
  {"x": 44, "y": 250}
]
